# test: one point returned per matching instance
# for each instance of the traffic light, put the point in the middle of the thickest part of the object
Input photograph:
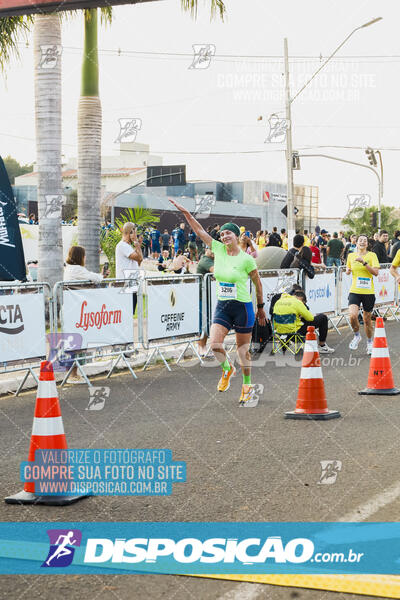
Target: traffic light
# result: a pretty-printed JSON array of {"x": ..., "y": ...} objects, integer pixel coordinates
[
  {"x": 373, "y": 219},
  {"x": 371, "y": 157}
]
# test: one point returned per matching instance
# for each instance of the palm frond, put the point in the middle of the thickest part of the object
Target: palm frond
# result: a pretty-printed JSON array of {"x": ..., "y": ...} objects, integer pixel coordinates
[
  {"x": 11, "y": 29},
  {"x": 217, "y": 7}
]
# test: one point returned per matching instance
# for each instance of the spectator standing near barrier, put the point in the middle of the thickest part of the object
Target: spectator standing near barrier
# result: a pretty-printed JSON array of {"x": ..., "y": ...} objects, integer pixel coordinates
[
  {"x": 247, "y": 246},
  {"x": 380, "y": 247},
  {"x": 334, "y": 251},
  {"x": 215, "y": 231},
  {"x": 232, "y": 268},
  {"x": 303, "y": 261},
  {"x": 165, "y": 240},
  {"x": 128, "y": 255},
  {"x": 75, "y": 270},
  {"x": 322, "y": 244},
  {"x": 362, "y": 265},
  {"x": 193, "y": 254},
  {"x": 274, "y": 238},
  {"x": 155, "y": 235},
  {"x": 316, "y": 259},
  {"x": 290, "y": 311},
  {"x": 350, "y": 246},
  {"x": 298, "y": 243},
  {"x": 181, "y": 237}
]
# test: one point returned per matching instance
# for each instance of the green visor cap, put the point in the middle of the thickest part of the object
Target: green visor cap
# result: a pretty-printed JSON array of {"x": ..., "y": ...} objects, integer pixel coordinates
[{"x": 232, "y": 227}]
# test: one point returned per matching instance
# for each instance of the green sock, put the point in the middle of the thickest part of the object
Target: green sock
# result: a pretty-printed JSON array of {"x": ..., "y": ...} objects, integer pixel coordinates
[
  {"x": 226, "y": 365},
  {"x": 246, "y": 379}
]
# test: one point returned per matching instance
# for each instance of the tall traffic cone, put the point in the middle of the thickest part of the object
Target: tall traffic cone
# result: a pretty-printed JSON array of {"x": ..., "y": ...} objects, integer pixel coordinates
[
  {"x": 311, "y": 399},
  {"x": 47, "y": 434},
  {"x": 380, "y": 377}
]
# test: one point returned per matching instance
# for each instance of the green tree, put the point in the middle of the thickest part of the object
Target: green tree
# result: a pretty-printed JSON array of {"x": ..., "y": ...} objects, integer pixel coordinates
[
  {"x": 109, "y": 238},
  {"x": 14, "y": 168},
  {"x": 359, "y": 220}
]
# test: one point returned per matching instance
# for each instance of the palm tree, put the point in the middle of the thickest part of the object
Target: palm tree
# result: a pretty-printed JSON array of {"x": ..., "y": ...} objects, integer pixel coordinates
[
  {"x": 89, "y": 132},
  {"x": 47, "y": 34},
  {"x": 89, "y": 143}
]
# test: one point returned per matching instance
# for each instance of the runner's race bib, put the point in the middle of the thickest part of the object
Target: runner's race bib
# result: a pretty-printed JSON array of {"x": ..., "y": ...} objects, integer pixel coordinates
[
  {"x": 364, "y": 283},
  {"x": 227, "y": 291}
]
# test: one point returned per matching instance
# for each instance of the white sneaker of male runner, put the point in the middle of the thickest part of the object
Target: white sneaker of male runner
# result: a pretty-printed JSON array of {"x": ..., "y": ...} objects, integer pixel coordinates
[
  {"x": 369, "y": 347},
  {"x": 325, "y": 349},
  {"x": 355, "y": 342}
]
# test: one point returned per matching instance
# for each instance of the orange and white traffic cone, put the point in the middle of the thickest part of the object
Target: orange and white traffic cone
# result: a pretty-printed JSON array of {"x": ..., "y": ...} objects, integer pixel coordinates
[
  {"x": 47, "y": 434},
  {"x": 380, "y": 377},
  {"x": 311, "y": 399}
]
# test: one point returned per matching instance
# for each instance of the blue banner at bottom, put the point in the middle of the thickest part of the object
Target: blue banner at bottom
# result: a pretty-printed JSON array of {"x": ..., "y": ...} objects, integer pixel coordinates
[{"x": 200, "y": 548}]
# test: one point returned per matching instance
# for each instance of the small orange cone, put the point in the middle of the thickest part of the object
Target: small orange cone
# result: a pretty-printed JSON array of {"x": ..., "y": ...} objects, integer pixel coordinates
[
  {"x": 47, "y": 434},
  {"x": 380, "y": 378},
  {"x": 311, "y": 399}
]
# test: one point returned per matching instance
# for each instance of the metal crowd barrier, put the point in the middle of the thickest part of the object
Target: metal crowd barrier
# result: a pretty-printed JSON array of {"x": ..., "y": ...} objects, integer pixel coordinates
[
  {"x": 176, "y": 294},
  {"x": 96, "y": 348},
  {"x": 24, "y": 312}
]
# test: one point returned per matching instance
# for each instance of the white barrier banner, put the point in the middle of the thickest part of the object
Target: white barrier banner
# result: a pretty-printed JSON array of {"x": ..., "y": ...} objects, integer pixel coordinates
[
  {"x": 385, "y": 288},
  {"x": 173, "y": 309},
  {"x": 22, "y": 326},
  {"x": 321, "y": 293},
  {"x": 384, "y": 285},
  {"x": 275, "y": 285},
  {"x": 102, "y": 316}
]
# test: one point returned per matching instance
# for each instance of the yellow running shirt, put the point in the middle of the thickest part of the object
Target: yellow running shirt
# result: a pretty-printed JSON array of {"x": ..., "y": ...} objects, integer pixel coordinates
[
  {"x": 363, "y": 281},
  {"x": 396, "y": 261}
]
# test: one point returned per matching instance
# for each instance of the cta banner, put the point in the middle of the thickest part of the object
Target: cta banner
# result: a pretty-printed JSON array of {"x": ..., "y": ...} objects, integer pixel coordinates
[
  {"x": 174, "y": 309},
  {"x": 22, "y": 327},
  {"x": 199, "y": 548},
  {"x": 321, "y": 293},
  {"x": 102, "y": 316}
]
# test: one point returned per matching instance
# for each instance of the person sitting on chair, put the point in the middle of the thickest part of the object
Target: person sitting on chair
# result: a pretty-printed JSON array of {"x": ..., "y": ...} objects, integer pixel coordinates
[{"x": 290, "y": 311}]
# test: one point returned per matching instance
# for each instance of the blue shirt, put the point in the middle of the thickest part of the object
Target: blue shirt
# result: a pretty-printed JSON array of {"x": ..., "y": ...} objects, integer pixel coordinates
[
  {"x": 192, "y": 237},
  {"x": 155, "y": 235}
]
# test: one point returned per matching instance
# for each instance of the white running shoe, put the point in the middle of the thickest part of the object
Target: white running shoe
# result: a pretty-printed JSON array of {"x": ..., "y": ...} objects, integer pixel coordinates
[
  {"x": 355, "y": 342},
  {"x": 325, "y": 349},
  {"x": 369, "y": 348}
]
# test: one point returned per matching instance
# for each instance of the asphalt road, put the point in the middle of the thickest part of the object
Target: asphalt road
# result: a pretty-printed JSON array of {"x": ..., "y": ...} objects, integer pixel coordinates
[{"x": 242, "y": 464}]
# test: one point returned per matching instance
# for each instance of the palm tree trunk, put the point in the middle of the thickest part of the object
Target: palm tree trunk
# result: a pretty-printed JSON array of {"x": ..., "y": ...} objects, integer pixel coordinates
[
  {"x": 47, "y": 32},
  {"x": 89, "y": 147}
]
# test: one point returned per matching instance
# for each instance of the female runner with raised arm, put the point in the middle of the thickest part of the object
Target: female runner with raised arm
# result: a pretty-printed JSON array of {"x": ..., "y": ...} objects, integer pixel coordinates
[{"x": 232, "y": 268}]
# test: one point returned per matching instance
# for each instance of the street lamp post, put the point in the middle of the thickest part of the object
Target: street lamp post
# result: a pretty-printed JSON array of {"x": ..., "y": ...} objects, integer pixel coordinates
[{"x": 289, "y": 130}]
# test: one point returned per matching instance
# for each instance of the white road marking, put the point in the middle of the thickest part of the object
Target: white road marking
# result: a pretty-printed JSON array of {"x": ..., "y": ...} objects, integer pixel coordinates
[
  {"x": 244, "y": 591},
  {"x": 366, "y": 510}
]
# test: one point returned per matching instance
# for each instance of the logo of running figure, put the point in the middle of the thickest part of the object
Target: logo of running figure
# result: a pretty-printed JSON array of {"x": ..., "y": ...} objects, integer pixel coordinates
[
  {"x": 98, "y": 396},
  {"x": 128, "y": 129},
  {"x": 62, "y": 542},
  {"x": 49, "y": 58},
  {"x": 204, "y": 205},
  {"x": 277, "y": 129},
  {"x": 54, "y": 205},
  {"x": 203, "y": 54},
  {"x": 358, "y": 203},
  {"x": 329, "y": 471}
]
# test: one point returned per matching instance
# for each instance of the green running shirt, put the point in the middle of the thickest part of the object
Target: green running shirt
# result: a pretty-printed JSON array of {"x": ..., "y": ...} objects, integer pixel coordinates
[{"x": 233, "y": 270}]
